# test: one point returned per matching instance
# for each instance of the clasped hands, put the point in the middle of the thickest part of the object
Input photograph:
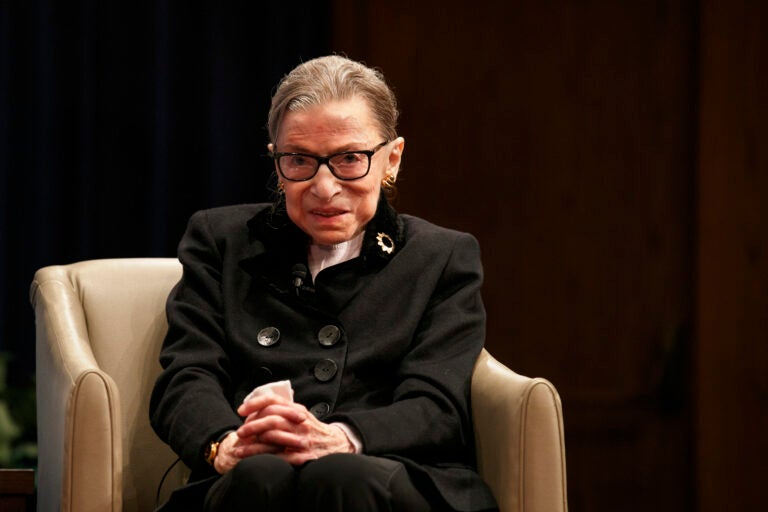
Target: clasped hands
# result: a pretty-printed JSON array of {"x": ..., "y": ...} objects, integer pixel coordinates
[{"x": 281, "y": 427}]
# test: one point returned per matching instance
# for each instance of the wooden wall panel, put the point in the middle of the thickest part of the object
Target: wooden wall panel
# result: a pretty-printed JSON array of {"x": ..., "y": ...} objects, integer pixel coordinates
[{"x": 732, "y": 354}]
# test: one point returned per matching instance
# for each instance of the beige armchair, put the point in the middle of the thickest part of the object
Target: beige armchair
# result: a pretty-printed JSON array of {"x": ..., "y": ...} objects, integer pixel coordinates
[{"x": 99, "y": 328}]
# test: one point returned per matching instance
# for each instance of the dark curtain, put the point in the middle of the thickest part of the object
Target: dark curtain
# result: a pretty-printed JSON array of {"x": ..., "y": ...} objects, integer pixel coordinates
[{"x": 120, "y": 119}]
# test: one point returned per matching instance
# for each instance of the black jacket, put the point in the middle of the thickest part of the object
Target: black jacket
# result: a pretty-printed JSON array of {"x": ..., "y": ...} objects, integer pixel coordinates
[{"x": 406, "y": 327}]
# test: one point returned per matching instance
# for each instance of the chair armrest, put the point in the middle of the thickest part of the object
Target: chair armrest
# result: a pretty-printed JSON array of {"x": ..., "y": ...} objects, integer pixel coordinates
[
  {"x": 519, "y": 434},
  {"x": 78, "y": 412}
]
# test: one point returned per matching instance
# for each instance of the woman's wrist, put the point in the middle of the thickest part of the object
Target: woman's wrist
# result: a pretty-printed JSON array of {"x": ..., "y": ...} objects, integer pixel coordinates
[
  {"x": 212, "y": 449},
  {"x": 353, "y": 438}
]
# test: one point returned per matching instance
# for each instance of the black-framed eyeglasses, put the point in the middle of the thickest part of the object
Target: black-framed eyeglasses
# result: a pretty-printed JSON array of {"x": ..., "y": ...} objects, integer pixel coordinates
[{"x": 346, "y": 165}]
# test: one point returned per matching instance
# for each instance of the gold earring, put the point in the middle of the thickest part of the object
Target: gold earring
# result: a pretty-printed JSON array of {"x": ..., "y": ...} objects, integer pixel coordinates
[
  {"x": 280, "y": 187},
  {"x": 388, "y": 182}
]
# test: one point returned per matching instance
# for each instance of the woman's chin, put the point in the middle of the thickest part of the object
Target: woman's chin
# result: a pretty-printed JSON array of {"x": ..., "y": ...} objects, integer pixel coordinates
[
  {"x": 329, "y": 239},
  {"x": 331, "y": 236}
]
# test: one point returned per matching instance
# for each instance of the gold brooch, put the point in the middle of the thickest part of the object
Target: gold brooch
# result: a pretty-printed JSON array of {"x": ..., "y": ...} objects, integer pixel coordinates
[{"x": 385, "y": 242}]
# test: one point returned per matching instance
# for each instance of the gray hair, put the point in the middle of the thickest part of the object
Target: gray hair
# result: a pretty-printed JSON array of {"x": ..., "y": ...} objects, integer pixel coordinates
[{"x": 334, "y": 78}]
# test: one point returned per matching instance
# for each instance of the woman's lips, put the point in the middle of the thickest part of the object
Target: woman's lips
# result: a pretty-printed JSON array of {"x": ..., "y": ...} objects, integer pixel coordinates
[{"x": 327, "y": 212}]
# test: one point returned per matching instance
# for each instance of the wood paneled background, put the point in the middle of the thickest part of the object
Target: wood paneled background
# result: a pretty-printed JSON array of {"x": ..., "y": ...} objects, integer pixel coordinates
[{"x": 611, "y": 159}]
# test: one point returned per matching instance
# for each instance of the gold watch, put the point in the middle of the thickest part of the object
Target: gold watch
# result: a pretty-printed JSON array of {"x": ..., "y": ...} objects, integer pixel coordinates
[{"x": 211, "y": 451}]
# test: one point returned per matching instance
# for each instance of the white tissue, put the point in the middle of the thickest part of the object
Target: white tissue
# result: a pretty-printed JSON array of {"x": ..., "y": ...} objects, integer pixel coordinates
[{"x": 280, "y": 388}]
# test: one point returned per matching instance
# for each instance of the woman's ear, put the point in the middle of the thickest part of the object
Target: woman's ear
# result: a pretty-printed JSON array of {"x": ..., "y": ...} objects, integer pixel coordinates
[{"x": 395, "y": 156}]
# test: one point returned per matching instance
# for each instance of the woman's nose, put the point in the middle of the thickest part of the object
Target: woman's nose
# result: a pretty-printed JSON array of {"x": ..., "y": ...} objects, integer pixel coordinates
[{"x": 324, "y": 183}]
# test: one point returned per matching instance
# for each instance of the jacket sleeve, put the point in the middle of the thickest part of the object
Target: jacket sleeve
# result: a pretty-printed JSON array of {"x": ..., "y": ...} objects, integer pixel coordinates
[
  {"x": 191, "y": 400},
  {"x": 429, "y": 418}
]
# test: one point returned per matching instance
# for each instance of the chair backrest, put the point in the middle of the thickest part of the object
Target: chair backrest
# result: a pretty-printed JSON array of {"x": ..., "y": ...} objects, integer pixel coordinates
[{"x": 100, "y": 325}]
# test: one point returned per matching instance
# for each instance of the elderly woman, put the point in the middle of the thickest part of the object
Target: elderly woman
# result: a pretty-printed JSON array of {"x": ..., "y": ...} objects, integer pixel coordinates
[{"x": 358, "y": 328}]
